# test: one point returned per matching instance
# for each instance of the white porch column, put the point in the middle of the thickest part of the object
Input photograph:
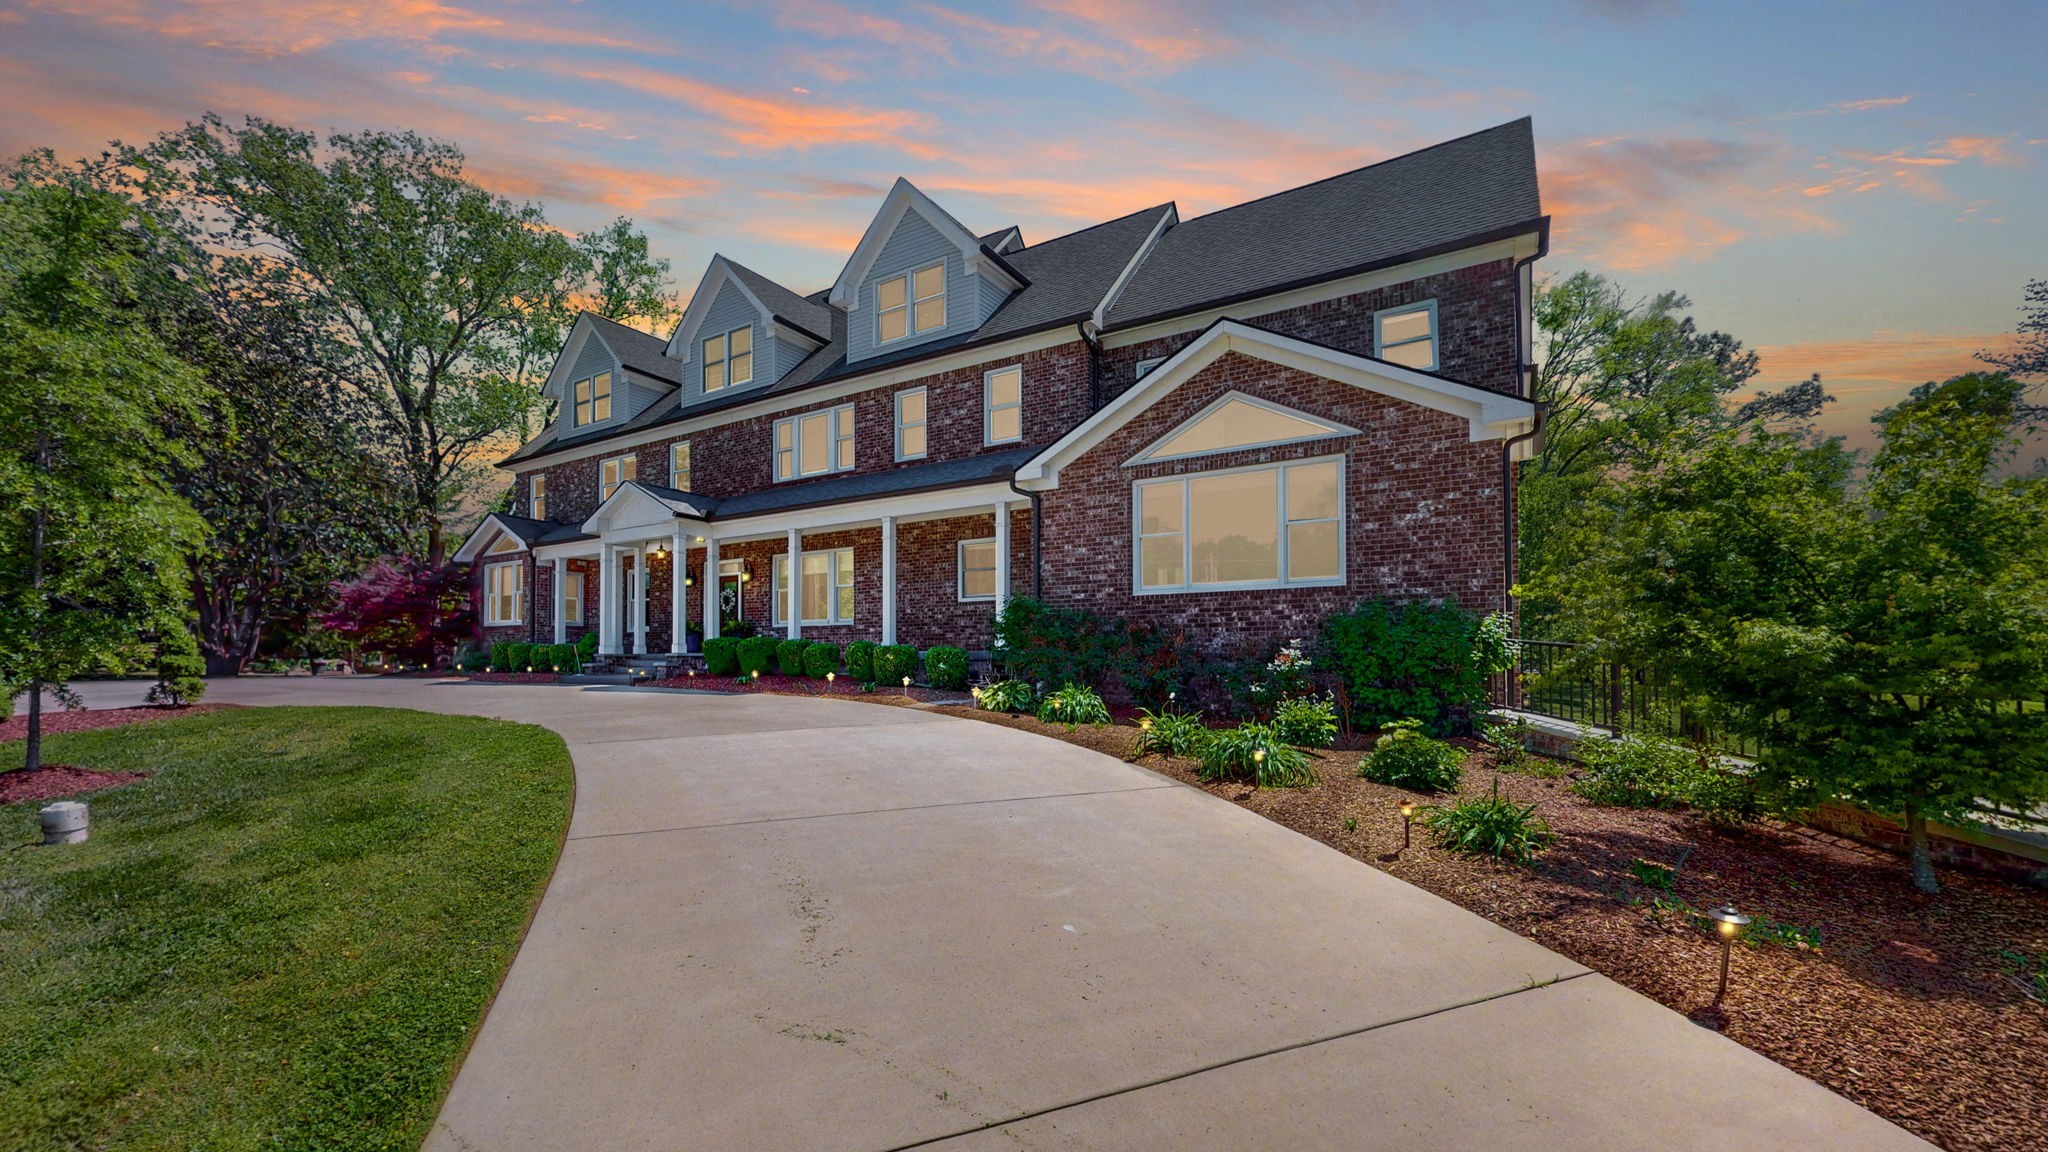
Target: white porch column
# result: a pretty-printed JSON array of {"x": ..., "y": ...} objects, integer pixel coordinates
[
  {"x": 792, "y": 608},
  {"x": 678, "y": 602},
  {"x": 639, "y": 600},
  {"x": 608, "y": 614},
  {"x": 888, "y": 579},
  {"x": 1002, "y": 554},
  {"x": 561, "y": 587},
  {"x": 712, "y": 584}
]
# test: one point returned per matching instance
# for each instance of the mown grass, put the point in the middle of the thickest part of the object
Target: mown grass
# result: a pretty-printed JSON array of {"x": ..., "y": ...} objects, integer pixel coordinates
[{"x": 282, "y": 940}]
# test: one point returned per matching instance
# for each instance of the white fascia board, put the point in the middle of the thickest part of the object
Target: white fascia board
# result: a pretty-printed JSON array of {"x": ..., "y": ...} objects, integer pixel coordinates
[
  {"x": 1488, "y": 415},
  {"x": 715, "y": 279},
  {"x": 1512, "y": 249},
  {"x": 487, "y": 532},
  {"x": 948, "y": 502},
  {"x": 1167, "y": 219},
  {"x": 557, "y": 385},
  {"x": 568, "y": 550},
  {"x": 904, "y": 196},
  {"x": 796, "y": 336},
  {"x": 1327, "y": 429},
  {"x": 633, "y": 508}
]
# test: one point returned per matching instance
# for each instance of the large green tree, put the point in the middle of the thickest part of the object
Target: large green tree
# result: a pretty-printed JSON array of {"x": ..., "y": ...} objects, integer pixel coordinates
[
  {"x": 94, "y": 542},
  {"x": 1875, "y": 632}
]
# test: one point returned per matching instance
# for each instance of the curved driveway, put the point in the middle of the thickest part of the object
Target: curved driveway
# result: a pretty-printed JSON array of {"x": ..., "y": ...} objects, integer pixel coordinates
[{"x": 783, "y": 923}]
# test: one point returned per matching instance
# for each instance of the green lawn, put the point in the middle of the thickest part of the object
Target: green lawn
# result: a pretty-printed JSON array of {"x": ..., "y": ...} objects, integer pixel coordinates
[{"x": 283, "y": 939}]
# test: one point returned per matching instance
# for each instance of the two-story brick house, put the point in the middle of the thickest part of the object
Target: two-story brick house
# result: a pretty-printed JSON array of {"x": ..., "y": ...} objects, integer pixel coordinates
[{"x": 1236, "y": 423}]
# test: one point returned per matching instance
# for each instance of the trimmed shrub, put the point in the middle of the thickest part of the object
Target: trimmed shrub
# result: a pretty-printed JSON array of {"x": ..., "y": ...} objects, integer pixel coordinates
[
  {"x": 1405, "y": 757},
  {"x": 1073, "y": 704},
  {"x": 1046, "y": 645},
  {"x": 1170, "y": 733},
  {"x": 1417, "y": 660},
  {"x": 789, "y": 657},
  {"x": 757, "y": 654},
  {"x": 860, "y": 661},
  {"x": 180, "y": 673},
  {"x": 722, "y": 656},
  {"x": 473, "y": 660},
  {"x": 1309, "y": 722},
  {"x": 564, "y": 658},
  {"x": 521, "y": 654},
  {"x": 893, "y": 662},
  {"x": 946, "y": 667},
  {"x": 7, "y": 692},
  {"x": 1009, "y": 696},
  {"x": 1255, "y": 752},
  {"x": 501, "y": 656},
  {"x": 1493, "y": 826},
  {"x": 586, "y": 646},
  {"x": 820, "y": 659}
]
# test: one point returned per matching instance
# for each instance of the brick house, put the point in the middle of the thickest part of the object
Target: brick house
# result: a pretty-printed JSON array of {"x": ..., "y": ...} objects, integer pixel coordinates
[{"x": 1234, "y": 424}]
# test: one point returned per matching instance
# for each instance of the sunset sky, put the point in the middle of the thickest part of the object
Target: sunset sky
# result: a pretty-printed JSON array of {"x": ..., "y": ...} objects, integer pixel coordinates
[{"x": 1858, "y": 189}]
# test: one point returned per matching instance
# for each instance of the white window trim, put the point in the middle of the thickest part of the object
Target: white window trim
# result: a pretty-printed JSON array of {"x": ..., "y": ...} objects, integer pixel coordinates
[
  {"x": 960, "y": 571},
  {"x": 988, "y": 406},
  {"x": 576, "y": 417},
  {"x": 491, "y": 618},
  {"x": 1187, "y": 586},
  {"x": 537, "y": 496},
  {"x": 1379, "y": 321},
  {"x": 796, "y": 445},
  {"x": 1330, "y": 430},
  {"x": 925, "y": 423},
  {"x": 624, "y": 476},
  {"x": 575, "y": 617},
  {"x": 778, "y": 615},
  {"x": 724, "y": 360},
  {"x": 1147, "y": 365},
  {"x": 685, "y": 446},
  {"x": 910, "y": 302}
]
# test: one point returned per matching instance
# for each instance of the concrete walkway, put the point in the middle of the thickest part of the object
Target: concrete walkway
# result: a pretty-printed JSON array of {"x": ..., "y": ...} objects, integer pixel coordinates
[{"x": 784, "y": 923}]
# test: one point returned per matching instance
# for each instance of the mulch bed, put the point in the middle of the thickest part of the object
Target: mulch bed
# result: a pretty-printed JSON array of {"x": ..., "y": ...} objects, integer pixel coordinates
[
  {"x": 892, "y": 694},
  {"x": 514, "y": 677},
  {"x": 56, "y": 720},
  {"x": 1904, "y": 1006},
  {"x": 56, "y": 781}
]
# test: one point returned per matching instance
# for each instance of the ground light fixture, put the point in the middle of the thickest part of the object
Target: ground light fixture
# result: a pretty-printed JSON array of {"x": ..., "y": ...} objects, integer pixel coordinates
[
  {"x": 1407, "y": 807},
  {"x": 906, "y": 681},
  {"x": 1729, "y": 924},
  {"x": 831, "y": 676},
  {"x": 976, "y": 693}
]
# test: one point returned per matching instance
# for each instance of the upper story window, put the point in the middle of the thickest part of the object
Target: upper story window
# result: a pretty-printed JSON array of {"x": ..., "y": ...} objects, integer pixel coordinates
[
  {"x": 1147, "y": 365},
  {"x": 593, "y": 399},
  {"x": 614, "y": 472},
  {"x": 1002, "y": 405},
  {"x": 679, "y": 466},
  {"x": 537, "y": 497},
  {"x": 910, "y": 424},
  {"x": 1406, "y": 335},
  {"x": 729, "y": 358},
  {"x": 504, "y": 593},
  {"x": 1260, "y": 527},
  {"x": 814, "y": 443},
  {"x": 911, "y": 303}
]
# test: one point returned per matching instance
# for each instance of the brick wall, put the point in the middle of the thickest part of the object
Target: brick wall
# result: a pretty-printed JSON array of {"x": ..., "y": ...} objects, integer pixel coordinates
[
  {"x": 1422, "y": 506},
  {"x": 928, "y": 606}
]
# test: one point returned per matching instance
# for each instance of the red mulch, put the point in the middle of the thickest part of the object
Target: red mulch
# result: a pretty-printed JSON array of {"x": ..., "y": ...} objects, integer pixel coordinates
[
  {"x": 57, "y": 720},
  {"x": 1903, "y": 1008},
  {"x": 514, "y": 677},
  {"x": 56, "y": 781},
  {"x": 893, "y": 694}
]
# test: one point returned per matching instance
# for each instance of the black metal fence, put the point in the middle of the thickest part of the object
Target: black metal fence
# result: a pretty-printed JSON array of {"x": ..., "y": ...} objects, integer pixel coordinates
[{"x": 1607, "y": 696}]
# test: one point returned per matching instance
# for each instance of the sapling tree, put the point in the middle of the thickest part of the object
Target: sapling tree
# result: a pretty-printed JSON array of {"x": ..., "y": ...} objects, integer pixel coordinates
[{"x": 1878, "y": 634}]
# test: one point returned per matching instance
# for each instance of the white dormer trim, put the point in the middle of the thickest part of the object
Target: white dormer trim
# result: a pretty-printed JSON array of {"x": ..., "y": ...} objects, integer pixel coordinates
[
  {"x": 1011, "y": 239},
  {"x": 557, "y": 386},
  {"x": 1325, "y": 429},
  {"x": 904, "y": 197},
  {"x": 486, "y": 534},
  {"x": 1167, "y": 219},
  {"x": 633, "y": 507},
  {"x": 716, "y": 277},
  {"x": 1488, "y": 415}
]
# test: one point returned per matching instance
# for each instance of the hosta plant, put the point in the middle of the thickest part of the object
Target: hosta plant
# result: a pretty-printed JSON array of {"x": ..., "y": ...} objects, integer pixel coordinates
[
  {"x": 1406, "y": 758},
  {"x": 1073, "y": 704},
  {"x": 1170, "y": 733},
  {"x": 1008, "y": 696},
  {"x": 1492, "y": 826},
  {"x": 1257, "y": 753},
  {"x": 1307, "y": 722}
]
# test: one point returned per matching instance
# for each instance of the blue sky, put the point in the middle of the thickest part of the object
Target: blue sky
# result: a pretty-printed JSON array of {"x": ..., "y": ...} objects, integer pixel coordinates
[{"x": 1858, "y": 189}]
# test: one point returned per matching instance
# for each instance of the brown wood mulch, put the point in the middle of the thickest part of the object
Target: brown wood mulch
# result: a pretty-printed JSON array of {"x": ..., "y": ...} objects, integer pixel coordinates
[
  {"x": 57, "y": 781},
  {"x": 1905, "y": 1006},
  {"x": 56, "y": 720}
]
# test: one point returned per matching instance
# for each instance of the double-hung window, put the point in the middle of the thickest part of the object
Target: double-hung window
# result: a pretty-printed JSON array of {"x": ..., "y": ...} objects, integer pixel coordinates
[
  {"x": 814, "y": 443},
  {"x": 537, "y": 497},
  {"x": 911, "y": 303},
  {"x": 679, "y": 466},
  {"x": 1240, "y": 528},
  {"x": 825, "y": 595},
  {"x": 978, "y": 569},
  {"x": 729, "y": 358},
  {"x": 910, "y": 424},
  {"x": 614, "y": 472},
  {"x": 504, "y": 588},
  {"x": 1406, "y": 335},
  {"x": 1002, "y": 405},
  {"x": 572, "y": 598},
  {"x": 593, "y": 399}
]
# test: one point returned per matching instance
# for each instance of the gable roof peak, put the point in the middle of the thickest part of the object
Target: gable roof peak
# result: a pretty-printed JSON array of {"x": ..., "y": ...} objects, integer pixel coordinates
[{"x": 905, "y": 197}]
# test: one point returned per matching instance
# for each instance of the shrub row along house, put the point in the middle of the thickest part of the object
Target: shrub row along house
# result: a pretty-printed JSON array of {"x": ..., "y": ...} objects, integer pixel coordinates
[{"x": 1231, "y": 425}]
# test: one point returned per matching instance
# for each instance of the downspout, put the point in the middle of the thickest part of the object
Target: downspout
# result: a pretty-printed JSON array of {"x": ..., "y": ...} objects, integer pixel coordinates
[
  {"x": 1525, "y": 387},
  {"x": 1037, "y": 540},
  {"x": 1094, "y": 367}
]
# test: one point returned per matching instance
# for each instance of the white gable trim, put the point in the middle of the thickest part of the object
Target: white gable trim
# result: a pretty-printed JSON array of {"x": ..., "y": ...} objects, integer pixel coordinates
[
  {"x": 904, "y": 197},
  {"x": 1010, "y": 241},
  {"x": 486, "y": 534},
  {"x": 557, "y": 386},
  {"x": 1167, "y": 219},
  {"x": 1329, "y": 428},
  {"x": 1489, "y": 415},
  {"x": 715, "y": 279},
  {"x": 631, "y": 507}
]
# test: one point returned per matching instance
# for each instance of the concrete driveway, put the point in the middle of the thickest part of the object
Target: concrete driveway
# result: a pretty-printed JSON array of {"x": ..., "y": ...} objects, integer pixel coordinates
[{"x": 784, "y": 923}]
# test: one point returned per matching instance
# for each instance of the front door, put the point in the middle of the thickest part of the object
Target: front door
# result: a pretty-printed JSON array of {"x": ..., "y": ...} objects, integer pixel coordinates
[
  {"x": 629, "y": 603},
  {"x": 729, "y": 612}
]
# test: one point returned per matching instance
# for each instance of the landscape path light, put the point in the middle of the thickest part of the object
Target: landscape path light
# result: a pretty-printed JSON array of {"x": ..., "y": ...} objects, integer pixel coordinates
[
  {"x": 1407, "y": 807},
  {"x": 906, "y": 681},
  {"x": 1730, "y": 924},
  {"x": 831, "y": 677}
]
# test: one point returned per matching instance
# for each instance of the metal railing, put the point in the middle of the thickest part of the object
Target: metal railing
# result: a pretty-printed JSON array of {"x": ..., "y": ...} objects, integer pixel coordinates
[{"x": 1610, "y": 696}]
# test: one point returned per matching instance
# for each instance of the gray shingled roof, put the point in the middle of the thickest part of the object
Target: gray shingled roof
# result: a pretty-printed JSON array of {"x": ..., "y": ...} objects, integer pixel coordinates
[
  {"x": 1436, "y": 199},
  {"x": 811, "y": 316},
  {"x": 862, "y": 485},
  {"x": 643, "y": 352}
]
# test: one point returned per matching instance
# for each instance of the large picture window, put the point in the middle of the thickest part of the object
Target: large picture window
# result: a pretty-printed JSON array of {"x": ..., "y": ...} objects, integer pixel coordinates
[
  {"x": 826, "y": 593},
  {"x": 614, "y": 472},
  {"x": 504, "y": 591},
  {"x": 814, "y": 443},
  {"x": 1242, "y": 528}
]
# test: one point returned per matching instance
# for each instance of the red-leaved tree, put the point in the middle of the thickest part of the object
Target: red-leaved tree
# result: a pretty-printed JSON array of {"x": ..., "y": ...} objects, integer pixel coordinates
[{"x": 409, "y": 609}]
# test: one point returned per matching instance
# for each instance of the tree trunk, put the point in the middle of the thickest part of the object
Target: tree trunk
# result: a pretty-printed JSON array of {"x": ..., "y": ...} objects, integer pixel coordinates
[
  {"x": 437, "y": 544},
  {"x": 32, "y": 751},
  {"x": 1923, "y": 861},
  {"x": 224, "y": 663}
]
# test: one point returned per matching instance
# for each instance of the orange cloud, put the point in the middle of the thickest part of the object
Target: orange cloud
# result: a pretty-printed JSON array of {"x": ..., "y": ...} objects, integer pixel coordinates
[
  {"x": 1883, "y": 361},
  {"x": 280, "y": 27},
  {"x": 1867, "y": 105},
  {"x": 775, "y": 121}
]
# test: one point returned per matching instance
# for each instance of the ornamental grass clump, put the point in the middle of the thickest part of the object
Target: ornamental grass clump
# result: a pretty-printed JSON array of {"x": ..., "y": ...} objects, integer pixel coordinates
[
  {"x": 1492, "y": 826},
  {"x": 1073, "y": 704},
  {"x": 1008, "y": 696},
  {"x": 1255, "y": 752},
  {"x": 1307, "y": 722},
  {"x": 1170, "y": 733},
  {"x": 1404, "y": 757}
]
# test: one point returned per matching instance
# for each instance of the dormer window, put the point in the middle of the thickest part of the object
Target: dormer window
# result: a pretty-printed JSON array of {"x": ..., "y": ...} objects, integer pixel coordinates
[
  {"x": 729, "y": 358},
  {"x": 593, "y": 399},
  {"x": 911, "y": 303}
]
